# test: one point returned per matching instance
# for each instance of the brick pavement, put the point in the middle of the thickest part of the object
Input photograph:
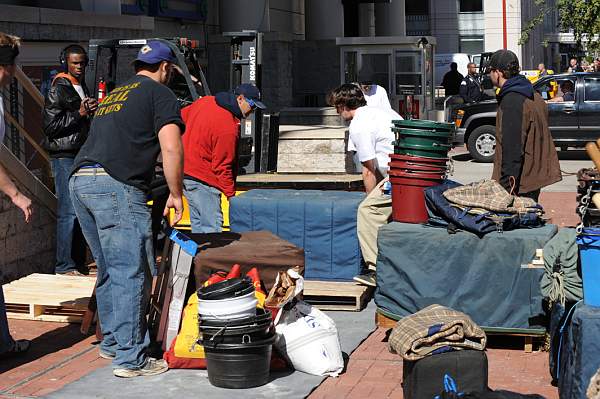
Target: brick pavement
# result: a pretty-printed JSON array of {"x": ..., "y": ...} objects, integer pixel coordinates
[
  {"x": 60, "y": 354},
  {"x": 375, "y": 373}
]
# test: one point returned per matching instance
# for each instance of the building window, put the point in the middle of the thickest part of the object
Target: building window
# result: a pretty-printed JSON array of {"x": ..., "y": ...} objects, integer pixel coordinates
[
  {"x": 417, "y": 7},
  {"x": 470, "y": 5},
  {"x": 471, "y": 44}
]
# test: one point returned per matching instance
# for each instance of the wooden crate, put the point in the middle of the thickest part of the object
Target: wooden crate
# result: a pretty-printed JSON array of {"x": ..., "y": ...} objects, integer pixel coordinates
[
  {"x": 333, "y": 295},
  {"x": 48, "y": 297}
]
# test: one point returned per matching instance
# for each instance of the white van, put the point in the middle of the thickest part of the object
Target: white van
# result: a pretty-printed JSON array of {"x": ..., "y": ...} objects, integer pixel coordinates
[{"x": 443, "y": 61}]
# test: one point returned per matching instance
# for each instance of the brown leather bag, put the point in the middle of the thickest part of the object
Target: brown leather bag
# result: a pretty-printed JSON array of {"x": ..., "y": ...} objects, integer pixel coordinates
[{"x": 261, "y": 249}]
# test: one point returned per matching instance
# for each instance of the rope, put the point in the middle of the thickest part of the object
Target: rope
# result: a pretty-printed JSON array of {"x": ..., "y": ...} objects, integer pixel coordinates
[
  {"x": 513, "y": 183},
  {"x": 557, "y": 289},
  {"x": 563, "y": 173},
  {"x": 560, "y": 332}
]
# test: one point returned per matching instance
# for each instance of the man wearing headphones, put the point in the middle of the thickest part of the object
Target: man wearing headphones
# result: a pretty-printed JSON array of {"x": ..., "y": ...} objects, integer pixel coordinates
[{"x": 67, "y": 116}]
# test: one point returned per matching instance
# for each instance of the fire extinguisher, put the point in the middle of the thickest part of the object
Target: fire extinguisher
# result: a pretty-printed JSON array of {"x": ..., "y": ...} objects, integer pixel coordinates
[{"x": 101, "y": 90}]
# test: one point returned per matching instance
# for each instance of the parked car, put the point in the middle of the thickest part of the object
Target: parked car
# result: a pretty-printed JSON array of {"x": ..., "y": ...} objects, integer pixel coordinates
[{"x": 572, "y": 123}]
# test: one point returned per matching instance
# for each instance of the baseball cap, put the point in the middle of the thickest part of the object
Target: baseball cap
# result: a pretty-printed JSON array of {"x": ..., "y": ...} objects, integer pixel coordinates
[
  {"x": 501, "y": 58},
  {"x": 154, "y": 52},
  {"x": 251, "y": 93}
]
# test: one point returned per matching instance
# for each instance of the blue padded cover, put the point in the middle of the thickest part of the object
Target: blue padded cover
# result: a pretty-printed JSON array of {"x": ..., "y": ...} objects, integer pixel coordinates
[
  {"x": 420, "y": 265},
  {"x": 321, "y": 222},
  {"x": 579, "y": 352}
]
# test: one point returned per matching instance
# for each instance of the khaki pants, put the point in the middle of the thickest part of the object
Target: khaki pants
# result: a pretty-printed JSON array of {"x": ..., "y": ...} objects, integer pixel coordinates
[{"x": 373, "y": 212}]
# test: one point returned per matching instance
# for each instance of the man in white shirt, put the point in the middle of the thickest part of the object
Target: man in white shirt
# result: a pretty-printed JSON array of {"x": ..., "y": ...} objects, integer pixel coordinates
[
  {"x": 375, "y": 95},
  {"x": 371, "y": 138}
]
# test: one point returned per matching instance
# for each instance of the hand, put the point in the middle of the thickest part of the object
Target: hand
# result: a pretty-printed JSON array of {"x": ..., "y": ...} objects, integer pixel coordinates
[
  {"x": 92, "y": 104},
  {"x": 88, "y": 106},
  {"x": 23, "y": 203},
  {"x": 177, "y": 204}
]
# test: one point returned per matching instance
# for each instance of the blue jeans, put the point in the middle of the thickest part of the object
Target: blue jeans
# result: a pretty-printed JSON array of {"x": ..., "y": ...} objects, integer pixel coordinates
[
  {"x": 116, "y": 223},
  {"x": 70, "y": 244},
  {"x": 6, "y": 340},
  {"x": 205, "y": 207}
]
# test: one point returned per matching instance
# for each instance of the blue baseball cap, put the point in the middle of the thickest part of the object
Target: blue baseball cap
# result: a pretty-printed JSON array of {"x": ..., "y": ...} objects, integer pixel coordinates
[
  {"x": 251, "y": 93},
  {"x": 154, "y": 52}
]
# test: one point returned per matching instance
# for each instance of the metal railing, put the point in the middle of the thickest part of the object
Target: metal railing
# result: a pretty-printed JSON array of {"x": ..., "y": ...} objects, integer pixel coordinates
[{"x": 23, "y": 105}]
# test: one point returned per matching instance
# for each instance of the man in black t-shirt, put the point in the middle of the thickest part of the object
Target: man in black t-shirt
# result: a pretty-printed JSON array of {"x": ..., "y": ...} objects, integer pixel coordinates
[
  {"x": 109, "y": 185},
  {"x": 452, "y": 79}
]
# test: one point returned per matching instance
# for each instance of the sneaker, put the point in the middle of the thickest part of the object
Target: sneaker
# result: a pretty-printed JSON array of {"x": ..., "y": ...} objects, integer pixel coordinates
[
  {"x": 367, "y": 278},
  {"x": 106, "y": 355},
  {"x": 18, "y": 348},
  {"x": 152, "y": 367},
  {"x": 72, "y": 273}
]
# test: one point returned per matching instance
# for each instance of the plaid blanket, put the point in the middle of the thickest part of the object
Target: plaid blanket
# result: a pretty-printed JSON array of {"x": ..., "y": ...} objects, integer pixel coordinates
[
  {"x": 433, "y": 330},
  {"x": 490, "y": 195}
]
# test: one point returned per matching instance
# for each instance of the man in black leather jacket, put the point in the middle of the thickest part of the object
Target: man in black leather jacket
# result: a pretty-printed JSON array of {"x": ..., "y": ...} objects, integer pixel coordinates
[{"x": 67, "y": 115}]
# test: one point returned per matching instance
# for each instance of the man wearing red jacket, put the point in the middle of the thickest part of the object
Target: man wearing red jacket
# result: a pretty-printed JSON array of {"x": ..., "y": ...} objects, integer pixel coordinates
[{"x": 210, "y": 152}]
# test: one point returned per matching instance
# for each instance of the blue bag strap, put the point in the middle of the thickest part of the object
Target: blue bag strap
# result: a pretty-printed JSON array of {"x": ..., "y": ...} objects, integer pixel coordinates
[{"x": 560, "y": 333}]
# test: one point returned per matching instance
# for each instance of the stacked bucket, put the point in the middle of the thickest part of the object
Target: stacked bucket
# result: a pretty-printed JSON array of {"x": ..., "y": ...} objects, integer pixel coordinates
[
  {"x": 236, "y": 335},
  {"x": 420, "y": 160}
]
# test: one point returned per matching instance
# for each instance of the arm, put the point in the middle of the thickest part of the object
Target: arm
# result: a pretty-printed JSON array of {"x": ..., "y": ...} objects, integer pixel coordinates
[
  {"x": 17, "y": 197},
  {"x": 512, "y": 148},
  {"x": 224, "y": 159},
  {"x": 171, "y": 147},
  {"x": 59, "y": 122},
  {"x": 371, "y": 175},
  {"x": 463, "y": 91}
]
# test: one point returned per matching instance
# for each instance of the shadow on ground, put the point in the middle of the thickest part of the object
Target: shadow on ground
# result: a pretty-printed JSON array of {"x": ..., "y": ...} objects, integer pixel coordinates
[{"x": 47, "y": 343}]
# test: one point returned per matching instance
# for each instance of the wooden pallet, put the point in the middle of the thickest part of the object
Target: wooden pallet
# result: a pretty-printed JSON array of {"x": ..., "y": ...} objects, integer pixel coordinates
[
  {"x": 48, "y": 297},
  {"x": 333, "y": 295},
  {"x": 382, "y": 320},
  {"x": 529, "y": 338}
]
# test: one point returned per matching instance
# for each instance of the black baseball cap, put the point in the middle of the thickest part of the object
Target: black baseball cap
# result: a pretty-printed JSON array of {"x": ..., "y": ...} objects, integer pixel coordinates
[
  {"x": 502, "y": 58},
  {"x": 251, "y": 93}
]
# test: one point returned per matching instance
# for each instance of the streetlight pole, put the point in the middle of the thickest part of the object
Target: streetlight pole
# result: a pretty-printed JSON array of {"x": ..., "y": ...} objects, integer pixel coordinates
[{"x": 504, "y": 24}]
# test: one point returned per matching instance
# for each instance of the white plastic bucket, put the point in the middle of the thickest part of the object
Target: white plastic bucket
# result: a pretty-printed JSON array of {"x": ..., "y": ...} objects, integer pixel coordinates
[
  {"x": 310, "y": 340},
  {"x": 229, "y": 308}
]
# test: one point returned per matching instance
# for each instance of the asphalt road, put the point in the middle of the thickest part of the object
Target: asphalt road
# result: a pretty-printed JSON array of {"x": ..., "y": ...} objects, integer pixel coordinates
[{"x": 466, "y": 170}]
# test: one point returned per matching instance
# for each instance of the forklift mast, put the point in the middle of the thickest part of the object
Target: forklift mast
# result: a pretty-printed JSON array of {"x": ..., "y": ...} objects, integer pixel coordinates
[
  {"x": 110, "y": 62},
  {"x": 245, "y": 66}
]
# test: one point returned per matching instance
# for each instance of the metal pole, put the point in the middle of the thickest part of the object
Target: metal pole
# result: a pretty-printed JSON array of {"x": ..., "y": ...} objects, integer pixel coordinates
[{"x": 504, "y": 24}]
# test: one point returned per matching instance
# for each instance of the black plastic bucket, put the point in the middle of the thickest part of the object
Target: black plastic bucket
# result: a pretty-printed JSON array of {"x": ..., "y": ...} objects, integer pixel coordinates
[
  {"x": 262, "y": 316},
  {"x": 238, "y": 366},
  {"x": 252, "y": 329},
  {"x": 231, "y": 288}
]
